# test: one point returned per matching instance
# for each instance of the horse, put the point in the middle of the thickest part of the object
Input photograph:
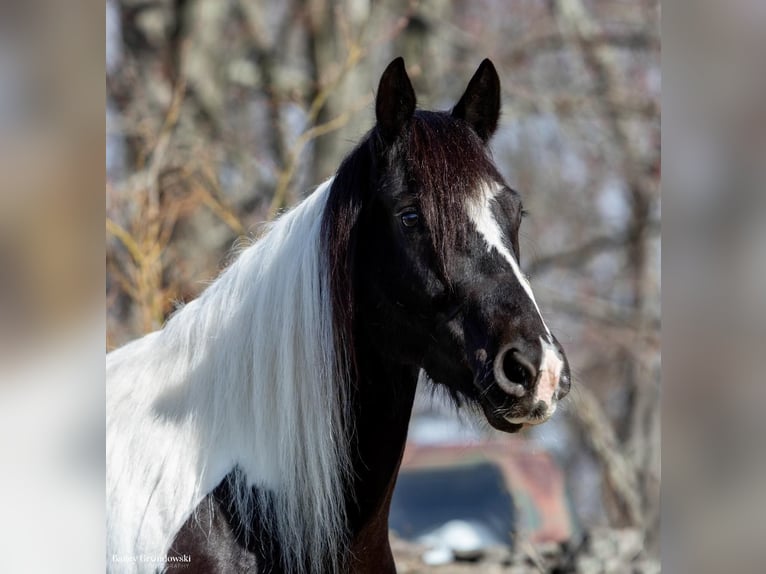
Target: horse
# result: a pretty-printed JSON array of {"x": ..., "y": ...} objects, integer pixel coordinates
[{"x": 262, "y": 428}]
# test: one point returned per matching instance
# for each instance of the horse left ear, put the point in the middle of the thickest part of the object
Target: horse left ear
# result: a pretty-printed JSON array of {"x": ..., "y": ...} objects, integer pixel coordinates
[
  {"x": 395, "y": 101},
  {"x": 480, "y": 104}
]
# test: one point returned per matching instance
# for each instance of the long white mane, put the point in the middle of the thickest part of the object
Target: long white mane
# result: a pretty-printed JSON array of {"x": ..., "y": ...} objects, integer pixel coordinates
[{"x": 244, "y": 376}]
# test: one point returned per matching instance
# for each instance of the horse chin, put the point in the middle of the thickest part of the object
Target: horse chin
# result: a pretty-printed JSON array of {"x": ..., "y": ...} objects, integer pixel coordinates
[{"x": 499, "y": 422}]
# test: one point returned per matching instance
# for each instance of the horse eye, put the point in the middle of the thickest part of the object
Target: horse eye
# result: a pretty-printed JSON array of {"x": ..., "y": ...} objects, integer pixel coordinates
[{"x": 410, "y": 218}]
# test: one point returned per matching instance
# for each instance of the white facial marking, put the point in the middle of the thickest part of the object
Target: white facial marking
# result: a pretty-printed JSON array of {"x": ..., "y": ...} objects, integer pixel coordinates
[
  {"x": 480, "y": 213},
  {"x": 550, "y": 373}
]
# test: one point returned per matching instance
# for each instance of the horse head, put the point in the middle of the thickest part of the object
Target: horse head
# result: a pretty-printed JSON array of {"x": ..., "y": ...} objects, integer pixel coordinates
[{"x": 437, "y": 256}]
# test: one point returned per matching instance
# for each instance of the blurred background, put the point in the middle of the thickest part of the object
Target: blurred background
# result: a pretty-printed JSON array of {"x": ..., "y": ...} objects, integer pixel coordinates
[
  {"x": 578, "y": 137},
  {"x": 222, "y": 113}
]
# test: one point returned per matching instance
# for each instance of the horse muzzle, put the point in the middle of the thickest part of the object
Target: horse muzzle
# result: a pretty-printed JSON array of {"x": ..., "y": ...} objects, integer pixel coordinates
[{"x": 529, "y": 380}]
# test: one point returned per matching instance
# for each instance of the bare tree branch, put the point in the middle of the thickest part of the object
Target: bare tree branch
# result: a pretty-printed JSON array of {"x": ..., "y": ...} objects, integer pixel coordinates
[
  {"x": 580, "y": 27},
  {"x": 582, "y": 254},
  {"x": 618, "y": 470},
  {"x": 531, "y": 47}
]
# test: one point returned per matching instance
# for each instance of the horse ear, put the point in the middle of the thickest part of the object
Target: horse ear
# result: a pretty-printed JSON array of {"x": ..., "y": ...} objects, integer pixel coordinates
[
  {"x": 395, "y": 101},
  {"x": 480, "y": 104}
]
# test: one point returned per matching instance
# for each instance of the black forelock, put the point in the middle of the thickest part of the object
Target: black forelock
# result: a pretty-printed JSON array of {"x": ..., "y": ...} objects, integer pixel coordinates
[{"x": 447, "y": 164}]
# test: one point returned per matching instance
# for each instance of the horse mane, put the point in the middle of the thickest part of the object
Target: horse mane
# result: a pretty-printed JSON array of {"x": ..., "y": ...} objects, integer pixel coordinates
[{"x": 247, "y": 376}]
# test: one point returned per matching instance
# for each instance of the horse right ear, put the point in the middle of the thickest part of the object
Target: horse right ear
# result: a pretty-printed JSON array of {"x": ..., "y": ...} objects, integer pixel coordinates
[
  {"x": 395, "y": 101},
  {"x": 480, "y": 104}
]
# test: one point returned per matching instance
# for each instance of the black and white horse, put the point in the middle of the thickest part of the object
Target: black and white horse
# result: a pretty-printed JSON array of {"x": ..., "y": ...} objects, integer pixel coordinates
[{"x": 261, "y": 430}]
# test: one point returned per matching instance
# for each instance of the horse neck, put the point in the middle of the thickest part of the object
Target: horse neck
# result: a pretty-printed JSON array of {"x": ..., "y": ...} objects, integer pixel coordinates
[{"x": 384, "y": 394}]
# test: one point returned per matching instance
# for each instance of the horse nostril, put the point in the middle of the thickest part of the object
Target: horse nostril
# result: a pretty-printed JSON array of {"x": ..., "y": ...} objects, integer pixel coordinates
[{"x": 517, "y": 369}]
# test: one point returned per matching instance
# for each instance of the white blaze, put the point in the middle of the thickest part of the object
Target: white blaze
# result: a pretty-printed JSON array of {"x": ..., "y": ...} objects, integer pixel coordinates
[
  {"x": 550, "y": 373},
  {"x": 480, "y": 213}
]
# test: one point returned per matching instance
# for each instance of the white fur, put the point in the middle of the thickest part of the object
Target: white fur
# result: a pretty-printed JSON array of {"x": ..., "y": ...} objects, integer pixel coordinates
[
  {"x": 480, "y": 213},
  {"x": 550, "y": 374},
  {"x": 244, "y": 375}
]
